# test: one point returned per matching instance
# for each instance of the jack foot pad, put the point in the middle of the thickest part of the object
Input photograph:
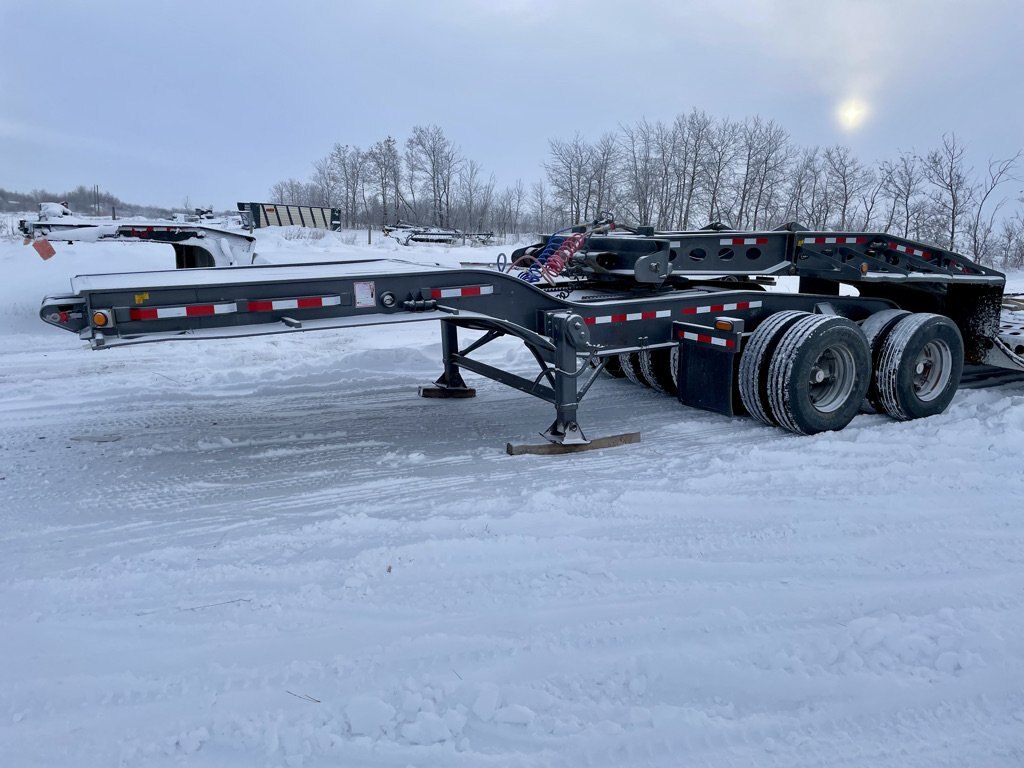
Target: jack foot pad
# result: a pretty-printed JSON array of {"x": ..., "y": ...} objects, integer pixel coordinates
[
  {"x": 554, "y": 449},
  {"x": 442, "y": 392}
]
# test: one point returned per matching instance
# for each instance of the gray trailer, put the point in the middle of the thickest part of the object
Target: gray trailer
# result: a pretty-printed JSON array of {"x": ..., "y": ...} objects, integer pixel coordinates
[{"x": 874, "y": 322}]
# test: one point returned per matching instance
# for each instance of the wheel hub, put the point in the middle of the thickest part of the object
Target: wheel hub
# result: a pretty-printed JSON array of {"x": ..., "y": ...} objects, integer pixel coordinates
[
  {"x": 932, "y": 369},
  {"x": 832, "y": 378}
]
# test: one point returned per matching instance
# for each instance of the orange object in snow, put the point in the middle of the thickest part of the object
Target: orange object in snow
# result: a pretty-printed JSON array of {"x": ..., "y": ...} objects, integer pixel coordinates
[{"x": 44, "y": 249}]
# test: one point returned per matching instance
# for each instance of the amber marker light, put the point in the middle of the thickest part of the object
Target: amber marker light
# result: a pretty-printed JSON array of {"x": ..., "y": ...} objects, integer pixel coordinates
[
  {"x": 100, "y": 319},
  {"x": 723, "y": 325}
]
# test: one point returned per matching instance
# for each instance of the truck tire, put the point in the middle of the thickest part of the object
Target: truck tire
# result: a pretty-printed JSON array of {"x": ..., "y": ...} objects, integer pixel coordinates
[
  {"x": 613, "y": 367},
  {"x": 656, "y": 367},
  {"x": 818, "y": 375},
  {"x": 630, "y": 362},
  {"x": 876, "y": 329},
  {"x": 753, "y": 372},
  {"x": 919, "y": 366}
]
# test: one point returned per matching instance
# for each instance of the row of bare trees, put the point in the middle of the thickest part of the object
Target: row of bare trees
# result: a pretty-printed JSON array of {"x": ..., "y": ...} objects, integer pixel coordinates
[
  {"x": 427, "y": 181},
  {"x": 681, "y": 175}
]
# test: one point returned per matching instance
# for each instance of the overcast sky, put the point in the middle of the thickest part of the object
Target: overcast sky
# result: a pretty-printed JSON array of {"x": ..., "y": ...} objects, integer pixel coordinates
[{"x": 156, "y": 101}]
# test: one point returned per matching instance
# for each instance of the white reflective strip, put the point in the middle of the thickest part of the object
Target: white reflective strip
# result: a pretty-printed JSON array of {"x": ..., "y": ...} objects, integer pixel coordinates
[
  {"x": 600, "y": 320},
  {"x": 634, "y": 316},
  {"x": 711, "y": 340},
  {"x": 911, "y": 251},
  {"x": 471, "y": 290},
  {"x": 218, "y": 309},
  {"x": 286, "y": 304},
  {"x": 663, "y": 313},
  {"x": 330, "y": 301}
]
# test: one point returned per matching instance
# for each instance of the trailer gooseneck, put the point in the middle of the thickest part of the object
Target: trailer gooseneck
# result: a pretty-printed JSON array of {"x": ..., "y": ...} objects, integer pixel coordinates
[{"x": 688, "y": 313}]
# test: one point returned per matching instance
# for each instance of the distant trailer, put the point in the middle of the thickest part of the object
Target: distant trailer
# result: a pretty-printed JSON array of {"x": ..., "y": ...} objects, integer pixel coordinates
[{"x": 257, "y": 215}]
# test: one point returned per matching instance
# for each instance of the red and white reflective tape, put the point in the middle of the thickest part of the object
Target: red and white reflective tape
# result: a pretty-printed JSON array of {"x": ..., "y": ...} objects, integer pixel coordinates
[
  {"x": 706, "y": 339},
  {"x": 458, "y": 293},
  {"x": 721, "y": 308},
  {"x": 205, "y": 310},
  {"x": 744, "y": 241},
  {"x": 909, "y": 250},
  {"x": 835, "y": 240},
  {"x": 302, "y": 302},
  {"x": 625, "y": 318},
  {"x": 191, "y": 310}
]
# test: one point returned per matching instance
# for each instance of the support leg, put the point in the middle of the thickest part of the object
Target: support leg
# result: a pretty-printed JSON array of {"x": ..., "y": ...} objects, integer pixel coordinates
[
  {"x": 565, "y": 430},
  {"x": 450, "y": 384}
]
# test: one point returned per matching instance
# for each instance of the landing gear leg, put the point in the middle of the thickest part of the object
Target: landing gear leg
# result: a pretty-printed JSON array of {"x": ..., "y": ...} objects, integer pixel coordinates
[
  {"x": 569, "y": 385},
  {"x": 565, "y": 430},
  {"x": 450, "y": 384}
]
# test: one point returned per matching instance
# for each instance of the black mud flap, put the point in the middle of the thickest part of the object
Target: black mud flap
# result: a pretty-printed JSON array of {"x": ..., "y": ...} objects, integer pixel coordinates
[{"x": 708, "y": 363}]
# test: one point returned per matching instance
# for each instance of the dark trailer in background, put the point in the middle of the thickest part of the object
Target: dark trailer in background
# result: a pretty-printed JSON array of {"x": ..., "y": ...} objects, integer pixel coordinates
[{"x": 256, "y": 215}]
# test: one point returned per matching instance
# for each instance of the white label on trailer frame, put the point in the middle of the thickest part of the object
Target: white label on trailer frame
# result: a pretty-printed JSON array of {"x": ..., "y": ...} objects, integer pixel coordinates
[{"x": 366, "y": 294}]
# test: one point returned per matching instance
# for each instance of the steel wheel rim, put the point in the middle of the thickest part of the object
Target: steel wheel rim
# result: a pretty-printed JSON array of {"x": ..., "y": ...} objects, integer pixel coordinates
[
  {"x": 932, "y": 370},
  {"x": 832, "y": 378}
]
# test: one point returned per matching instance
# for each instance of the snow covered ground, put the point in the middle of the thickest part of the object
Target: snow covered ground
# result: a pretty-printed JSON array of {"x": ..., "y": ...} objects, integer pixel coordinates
[{"x": 270, "y": 552}]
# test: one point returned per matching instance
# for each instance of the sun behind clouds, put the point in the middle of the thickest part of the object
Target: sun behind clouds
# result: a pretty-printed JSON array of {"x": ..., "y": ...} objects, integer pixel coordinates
[{"x": 851, "y": 113}]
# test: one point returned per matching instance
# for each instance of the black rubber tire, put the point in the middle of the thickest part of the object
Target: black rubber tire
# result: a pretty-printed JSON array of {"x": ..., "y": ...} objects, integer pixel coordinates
[
  {"x": 753, "y": 372},
  {"x": 919, "y": 366},
  {"x": 876, "y": 330},
  {"x": 613, "y": 367},
  {"x": 630, "y": 362},
  {"x": 656, "y": 368},
  {"x": 818, "y": 375}
]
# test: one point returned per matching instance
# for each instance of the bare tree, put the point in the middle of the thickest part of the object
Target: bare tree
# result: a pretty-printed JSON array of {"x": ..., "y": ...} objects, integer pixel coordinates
[
  {"x": 325, "y": 181},
  {"x": 903, "y": 184},
  {"x": 983, "y": 224},
  {"x": 696, "y": 145},
  {"x": 292, "y": 192},
  {"x": 568, "y": 170},
  {"x": 847, "y": 179},
  {"x": 951, "y": 193},
  {"x": 384, "y": 163},
  {"x": 639, "y": 169},
  {"x": 603, "y": 176},
  {"x": 723, "y": 149},
  {"x": 517, "y": 201},
  {"x": 541, "y": 209},
  {"x": 433, "y": 161},
  {"x": 475, "y": 195},
  {"x": 1011, "y": 243}
]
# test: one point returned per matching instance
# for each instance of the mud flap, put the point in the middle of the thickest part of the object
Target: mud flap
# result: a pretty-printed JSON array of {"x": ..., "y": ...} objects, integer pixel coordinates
[{"x": 708, "y": 361}]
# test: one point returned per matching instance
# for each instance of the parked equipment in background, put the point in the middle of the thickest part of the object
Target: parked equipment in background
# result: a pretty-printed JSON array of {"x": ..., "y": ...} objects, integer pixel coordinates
[
  {"x": 686, "y": 313},
  {"x": 256, "y": 215},
  {"x": 407, "y": 234}
]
